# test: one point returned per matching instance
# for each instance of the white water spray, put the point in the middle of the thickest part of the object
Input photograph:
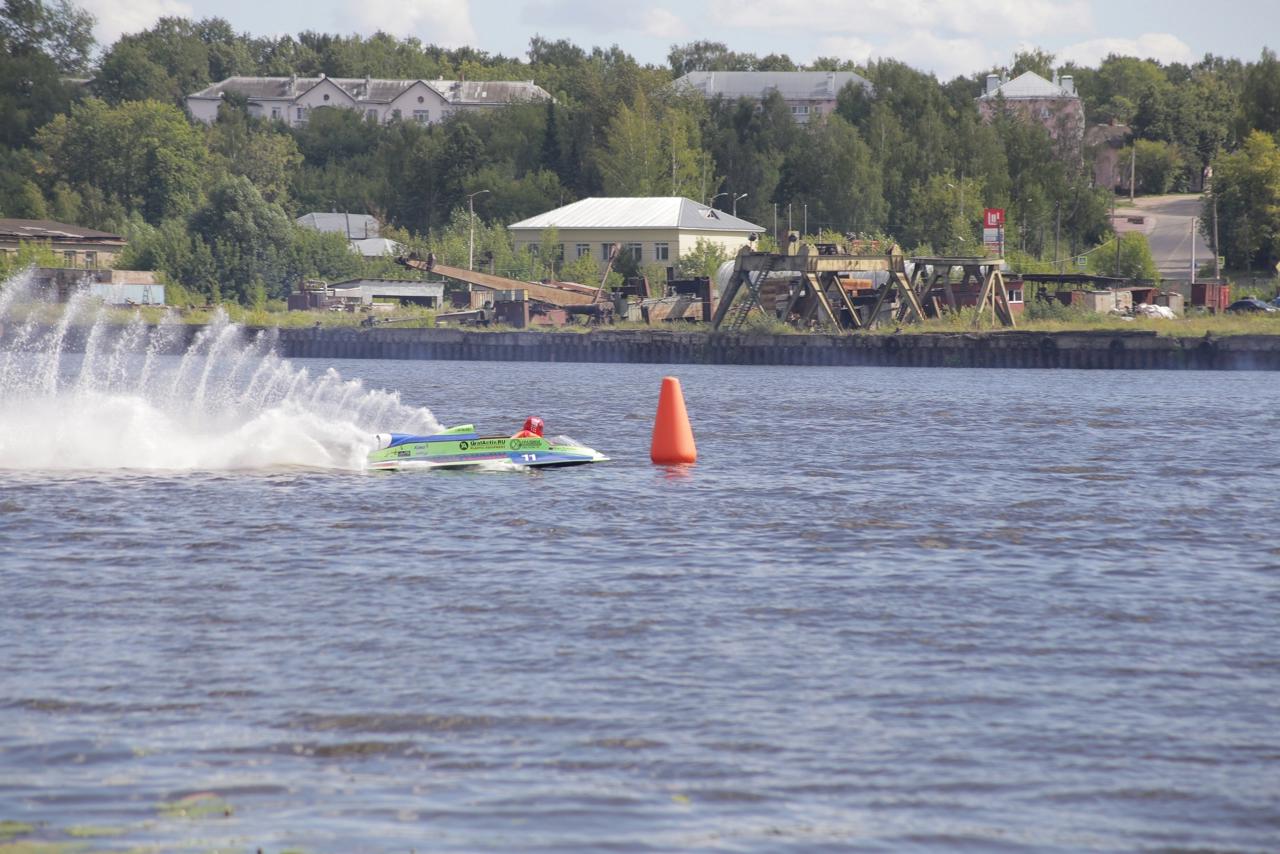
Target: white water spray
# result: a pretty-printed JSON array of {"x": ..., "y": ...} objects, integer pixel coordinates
[{"x": 79, "y": 392}]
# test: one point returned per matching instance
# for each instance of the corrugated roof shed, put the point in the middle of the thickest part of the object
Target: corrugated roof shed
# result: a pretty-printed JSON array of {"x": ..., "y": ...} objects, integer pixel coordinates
[
  {"x": 791, "y": 85},
  {"x": 354, "y": 226},
  {"x": 638, "y": 212},
  {"x": 47, "y": 229}
]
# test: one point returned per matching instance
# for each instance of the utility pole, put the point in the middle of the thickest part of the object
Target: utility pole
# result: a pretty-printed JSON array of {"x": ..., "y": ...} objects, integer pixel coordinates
[
  {"x": 1133, "y": 168},
  {"x": 775, "y": 221},
  {"x": 1217, "y": 253},
  {"x": 471, "y": 239},
  {"x": 1117, "y": 234},
  {"x": 1057, "y": 238},
  {"x": 788, "y": 217},
  {"x": 735, "y": 203},
  {"x": 1194, "y": 220},
  {"x": 806, "y": 219}
]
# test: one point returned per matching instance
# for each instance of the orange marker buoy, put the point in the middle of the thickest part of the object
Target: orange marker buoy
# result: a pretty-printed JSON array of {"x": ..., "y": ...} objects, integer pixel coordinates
[{"x": 672, "y": 435}]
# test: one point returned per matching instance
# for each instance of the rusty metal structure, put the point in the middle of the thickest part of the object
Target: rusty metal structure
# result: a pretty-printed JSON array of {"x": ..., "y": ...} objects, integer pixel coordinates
[
  {"x": 821, "y": 285},
  {"x": 826, "y": 286},
  {"x": 930, "y": 290},
  {"x": 493, "y": 297}
]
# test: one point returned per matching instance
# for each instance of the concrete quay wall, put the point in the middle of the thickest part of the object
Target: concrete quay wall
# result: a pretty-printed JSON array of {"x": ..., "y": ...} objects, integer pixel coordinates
[{"x": 1088, "y": 349}]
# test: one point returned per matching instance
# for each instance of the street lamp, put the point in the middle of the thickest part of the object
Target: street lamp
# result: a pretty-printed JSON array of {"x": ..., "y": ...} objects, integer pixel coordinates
[
  {"x": 471, "y": 239},
  {"x": 735, "y": 203},
  {"x": 712, "y": 203}
]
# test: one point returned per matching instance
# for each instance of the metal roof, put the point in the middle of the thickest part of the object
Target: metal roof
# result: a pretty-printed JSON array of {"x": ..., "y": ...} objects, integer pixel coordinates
[
  {"x": 378, "y": 90},
  {"x": 1027, "y": 85},
  {"x": 47, "y": 229},
  {"x": 638, "y": 212},
  {"x": 354, "y": 226},
  {"x": 791, "y": 85},
  {"x": 375, "y": 247}
]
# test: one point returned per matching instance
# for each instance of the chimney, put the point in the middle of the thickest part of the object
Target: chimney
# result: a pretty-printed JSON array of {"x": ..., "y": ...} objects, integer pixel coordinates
[
  {"x": 1069, "y": 84},
  {"x": 993, "y": 83}
]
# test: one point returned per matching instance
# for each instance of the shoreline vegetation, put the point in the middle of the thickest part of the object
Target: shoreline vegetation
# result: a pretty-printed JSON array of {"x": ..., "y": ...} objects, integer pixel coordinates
[{"x": 1192, "y": 325}]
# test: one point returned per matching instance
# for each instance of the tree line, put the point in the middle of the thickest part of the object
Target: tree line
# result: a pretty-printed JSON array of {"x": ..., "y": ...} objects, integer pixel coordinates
[{"x": 102, "y": 139}]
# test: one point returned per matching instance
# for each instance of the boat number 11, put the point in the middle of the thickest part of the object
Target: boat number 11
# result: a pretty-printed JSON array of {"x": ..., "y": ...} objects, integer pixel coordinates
[{"x": 528, "y": 458}]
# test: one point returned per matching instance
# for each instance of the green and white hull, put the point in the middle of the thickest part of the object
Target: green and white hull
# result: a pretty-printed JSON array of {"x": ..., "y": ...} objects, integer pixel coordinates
[{"x": 462, "y": 447}]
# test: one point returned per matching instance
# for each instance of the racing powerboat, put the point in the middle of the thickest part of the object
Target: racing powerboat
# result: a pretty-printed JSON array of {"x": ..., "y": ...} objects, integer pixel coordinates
[{"x": 462, "y": 446}]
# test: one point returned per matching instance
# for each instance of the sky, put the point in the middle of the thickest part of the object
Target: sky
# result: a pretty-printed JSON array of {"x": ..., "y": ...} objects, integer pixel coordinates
[{"x": 945, "y": 37}]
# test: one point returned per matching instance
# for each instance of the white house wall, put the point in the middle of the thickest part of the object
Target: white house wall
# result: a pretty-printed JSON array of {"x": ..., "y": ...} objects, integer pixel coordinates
[
  {"x": 679, "y": 242},
  {"x": 419, "y": 96}
]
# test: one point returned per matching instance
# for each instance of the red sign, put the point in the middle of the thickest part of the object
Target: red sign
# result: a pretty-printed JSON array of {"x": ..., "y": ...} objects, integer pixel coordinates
[{"x": 993, "y": 218}]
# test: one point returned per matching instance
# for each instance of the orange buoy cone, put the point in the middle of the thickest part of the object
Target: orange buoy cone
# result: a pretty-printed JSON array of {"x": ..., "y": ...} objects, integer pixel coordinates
[{"x": 672, "y": 435}]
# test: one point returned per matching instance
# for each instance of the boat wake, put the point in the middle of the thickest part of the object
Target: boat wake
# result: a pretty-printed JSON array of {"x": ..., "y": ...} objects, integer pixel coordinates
[{"x": 80, "y": 391}]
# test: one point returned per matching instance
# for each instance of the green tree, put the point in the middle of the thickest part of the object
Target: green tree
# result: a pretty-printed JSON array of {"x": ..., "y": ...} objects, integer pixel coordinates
[
  {"x": 249, "y": 237},
  {"x": 1033, "y": 59},
  {"x": 632, "y": 161},
  {"x": 1260, "y": 100},
  {"x": 1133, "y": 261},
  {"x": 831, "y": 169},
  {"x": 1246, "y": 187},
  {"x": 702, "y": 260},
  {"x": 1157, "y": 165},
  {"x": 141, "y": 156},
  {"x": 174, "y": 46},
  {"x": 944, "y": 215},
  {"x": 40, "y": 43},
  {"x": 266, "y": 155},
  {"x": 59, "y": 31}
]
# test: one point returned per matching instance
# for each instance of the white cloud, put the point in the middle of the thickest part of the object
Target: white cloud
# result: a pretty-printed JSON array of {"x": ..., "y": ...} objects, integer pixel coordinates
[
  {"x": 1164, "y": 47},
  {"x": 596, "y": 16},
  {"x": 944, "y": 57},
  {"x": 442, "y": 22},
  {"x": 977, "y": 18},
  {"x": 664, "y": 24},
  {"x": 114, "y": 18}
]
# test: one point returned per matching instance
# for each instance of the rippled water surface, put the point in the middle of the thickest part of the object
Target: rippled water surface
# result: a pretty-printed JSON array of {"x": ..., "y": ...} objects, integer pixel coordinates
[{"x": 888, "y": 609}]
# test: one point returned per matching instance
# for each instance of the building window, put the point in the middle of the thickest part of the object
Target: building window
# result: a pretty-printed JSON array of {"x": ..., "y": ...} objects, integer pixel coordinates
[
  {"x": 1015, "y": 295},
  {"x": 326, "y": 97},
  {"x": 606, "y": 249},
  {"x": 69, "y": 258},
  {"x": 420, "y": 99},
  {"x": 275, "y": 112},
  {"x": 371, "y": 115},
  {"x": 395, "y": 114},
  {"x": 422, "y": 117},
  {"x": 661, "y": 252},
  {"x": 302, "y": 114},
  {"x": 583, "y": 249},
  {"x": 632, "y": 249},
  {"x": 799, "y": 109},
  {"x": 91, "y": 260}
]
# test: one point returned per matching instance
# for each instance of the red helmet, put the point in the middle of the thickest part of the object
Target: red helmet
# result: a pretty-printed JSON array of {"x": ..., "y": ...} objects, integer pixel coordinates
[{"x": 533, "y": 424}]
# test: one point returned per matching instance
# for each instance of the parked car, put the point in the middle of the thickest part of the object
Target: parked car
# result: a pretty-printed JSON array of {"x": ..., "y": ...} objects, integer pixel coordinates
[
  {"x": 1276, "y": 302},
  {"x": 1251, "y": 304}
]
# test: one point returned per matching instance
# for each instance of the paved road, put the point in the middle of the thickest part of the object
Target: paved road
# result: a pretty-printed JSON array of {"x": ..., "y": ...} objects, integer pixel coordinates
[{"x": 1168, "y": 227}]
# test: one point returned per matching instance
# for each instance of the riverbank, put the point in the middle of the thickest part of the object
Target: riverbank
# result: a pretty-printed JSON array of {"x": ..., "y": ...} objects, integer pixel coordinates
[
  {"x": 1128, "y": 350},
  {"x": 1075, "y": 349}
]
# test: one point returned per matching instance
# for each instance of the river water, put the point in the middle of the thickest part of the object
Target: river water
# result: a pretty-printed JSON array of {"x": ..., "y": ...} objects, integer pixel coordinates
[{"x": 888, "y": 609}]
